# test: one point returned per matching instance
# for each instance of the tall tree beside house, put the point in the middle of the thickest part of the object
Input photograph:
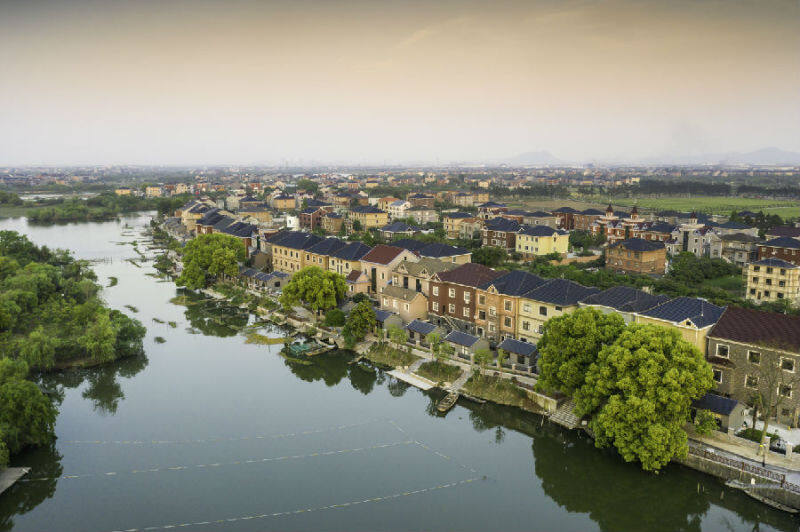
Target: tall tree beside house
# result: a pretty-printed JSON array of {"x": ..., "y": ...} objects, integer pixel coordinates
[
  {"x": 483, "y": 357},
  {"x": 502, "y": 356},
  {"x": 434, "y": 340},
  {"x": 446, "y": 350},
  {"x": 359, "y": 322},
  {"x": 397, "y": 336},
  {"x": 315, "y": 289},
  {"x": 639, "y": 393},
  {"x": 773, "y": 385},
  {"x": 208, "y": 256},
  {"x": 490, "y": 256},
  {"x": 570, "y": 345}
]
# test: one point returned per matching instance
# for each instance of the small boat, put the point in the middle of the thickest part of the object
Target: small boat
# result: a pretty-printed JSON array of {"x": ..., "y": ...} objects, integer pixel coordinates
[{"x": 448, "y": 402}]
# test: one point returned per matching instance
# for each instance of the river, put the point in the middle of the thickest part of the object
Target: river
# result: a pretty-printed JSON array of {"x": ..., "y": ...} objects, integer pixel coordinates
[{"x": 212, "y": 433}]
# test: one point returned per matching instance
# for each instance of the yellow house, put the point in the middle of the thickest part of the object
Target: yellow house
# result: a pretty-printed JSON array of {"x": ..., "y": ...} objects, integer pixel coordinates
[
  {"x": 772, "y": 280},
  {"x": 553, "y": 298},
  {"x": 320, "y": 253},
  {"x": 537, "y": 240},
  {"x": 124, "y": 191},
  {"x": 452, "y": 222},
  {"x": 369, "y": 216},
  {"x": 692, "y": 317},
  {"x": 289, "y": 250},
  {"x": 153, "y": 192},
  {"x": 284, "y": 202},
  {"x": 348, "y": 258},
  {"x": 409, "y": 304}
]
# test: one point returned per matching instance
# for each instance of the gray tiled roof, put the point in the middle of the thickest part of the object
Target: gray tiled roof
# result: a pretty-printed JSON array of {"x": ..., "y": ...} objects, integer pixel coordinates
[
  {"x": 517, "y": 347},
  {"x": 700, "y": 312},
  {"x": 560, "y": 292},
  {"x": 422, "y": 327},
  {"x": 461, "y": 338},
  {"x": 625, "y": 299}
]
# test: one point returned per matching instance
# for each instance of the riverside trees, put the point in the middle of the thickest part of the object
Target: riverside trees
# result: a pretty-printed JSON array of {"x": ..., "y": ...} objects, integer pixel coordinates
[
  {"x": 314, "y": 288},
  {"x": 208, "y": 256},
  {"x": 636, "y": 383}
]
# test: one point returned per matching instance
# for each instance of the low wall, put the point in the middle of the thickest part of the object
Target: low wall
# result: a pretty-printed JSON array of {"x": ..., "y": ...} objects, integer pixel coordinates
[{"x": 545, "y": 402}]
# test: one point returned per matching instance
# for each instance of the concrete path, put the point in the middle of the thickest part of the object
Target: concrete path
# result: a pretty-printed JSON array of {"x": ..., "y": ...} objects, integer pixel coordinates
[{"x": 10, "y": 475}]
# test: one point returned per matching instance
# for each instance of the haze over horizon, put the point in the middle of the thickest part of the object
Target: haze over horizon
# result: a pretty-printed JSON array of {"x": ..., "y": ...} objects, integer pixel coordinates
[{"x": 249, "y": 82}]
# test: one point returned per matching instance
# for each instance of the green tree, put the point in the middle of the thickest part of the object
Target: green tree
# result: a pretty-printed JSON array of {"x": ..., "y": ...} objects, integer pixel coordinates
[
  {"x": 397, "y": 335},
  {"x": 39, "y": 349},
  {"x": 490, "y": 256},
  {"x": 308, "y": 185},
  {"x": 360, "y": 321},
  {"x": 570, "y": 344},
  {"x": 446, "y": 350},
  {"x": 357, "y": 225},
  {"x": 502, "y": 356},
  {"x": 208, "y": 256},
  {"x": 334, "y": 318},
  {"x": 639, "y": 394},
  {"x": 434, "y": 340},
  {"x": 705, "y": 422},
  {"x": 483, "y": 357},
  {"x": 314, "y": 288}
]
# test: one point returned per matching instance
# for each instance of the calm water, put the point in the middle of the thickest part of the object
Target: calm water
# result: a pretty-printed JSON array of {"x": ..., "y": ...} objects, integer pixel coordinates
[{"x": 215, "y": 408}]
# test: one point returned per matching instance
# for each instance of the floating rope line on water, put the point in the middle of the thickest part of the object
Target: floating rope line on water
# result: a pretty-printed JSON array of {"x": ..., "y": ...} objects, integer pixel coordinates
[
  {"x": 432, "y": 450},
  {"x": 218, "y": 440},
  {"x": 113, "y": 474},
  {"x": 307, "y": 510}
]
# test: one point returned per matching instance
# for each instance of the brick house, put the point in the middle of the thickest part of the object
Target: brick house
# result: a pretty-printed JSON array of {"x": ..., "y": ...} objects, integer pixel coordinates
[
  {"x": 379, "y": 263},
  {"x": 750, "y": 351},
  {"x": 783, "y": 248},
  {"x": 451, "y": 301},
  {"x": 501, "y": 233},
  {"x": 637, "y": 255},
  {"x": 497, "y": 304}
]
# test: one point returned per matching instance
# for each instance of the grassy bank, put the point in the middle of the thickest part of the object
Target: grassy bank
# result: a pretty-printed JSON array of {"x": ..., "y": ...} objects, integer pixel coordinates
[
  {"x": 438, "y": 372},
  {"x": 499, "y": 390},
  {"x": 383, "y": 353}
]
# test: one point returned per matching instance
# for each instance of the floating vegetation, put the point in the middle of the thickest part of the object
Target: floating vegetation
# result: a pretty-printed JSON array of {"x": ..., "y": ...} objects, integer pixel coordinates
[
  {"x": 159, "y": 339},
  {"x": 158, "y": 320},
  {"x": 112, "y": 281},
  {"x": 131, "y": 308},
  {"x": 152, "y": 274},
  {"x": 260, "y": 339},
  {"x": 192, "y": 330},
  {"x": 172, "y": 324},
  {"x": 133, "y": 262}
]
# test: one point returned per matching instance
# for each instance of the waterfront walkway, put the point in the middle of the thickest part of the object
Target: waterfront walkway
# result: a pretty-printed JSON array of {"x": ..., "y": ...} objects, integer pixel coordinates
[{"x": 10, "y": 475}]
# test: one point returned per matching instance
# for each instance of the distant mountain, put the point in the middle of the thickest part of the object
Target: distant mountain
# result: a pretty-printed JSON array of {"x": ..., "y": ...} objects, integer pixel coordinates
[{"x": 533, "y": 158}]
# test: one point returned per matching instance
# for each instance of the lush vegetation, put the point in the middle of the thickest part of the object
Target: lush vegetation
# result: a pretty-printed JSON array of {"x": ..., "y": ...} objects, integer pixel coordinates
[
  {"x": 105, "y": 206},
  {"x": 386, "y": 355},
  {"x": 490, "y": 256},
  {"x": 359, "y": 322},
  {"x": 209, "y": 256},
  {"x": 437, "y": 371},
  {"x": 314, "y": 288},
  {"x": 50, "y": 317}
]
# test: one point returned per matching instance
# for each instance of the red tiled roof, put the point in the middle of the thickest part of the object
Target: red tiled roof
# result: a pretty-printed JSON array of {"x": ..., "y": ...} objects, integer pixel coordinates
[
  {"x": 469, "y": 274},
  {"x": 768, "y": 329},
  {"x": 353, "y": 276},
  {"x": 382, "y": 254}
]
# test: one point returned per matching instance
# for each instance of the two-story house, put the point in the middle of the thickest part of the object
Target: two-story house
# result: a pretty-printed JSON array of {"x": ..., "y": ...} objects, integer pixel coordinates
[
  {"x": 692, "y": 317},
  {"x": 497, "y": 304},
  {"x": 553, "y": 298},
  {"x": 451, "y": 301},
  {"x": 773, "y": 279},
  {"x": 379, "y": 263},
  {"x": 536, "y": 240}
]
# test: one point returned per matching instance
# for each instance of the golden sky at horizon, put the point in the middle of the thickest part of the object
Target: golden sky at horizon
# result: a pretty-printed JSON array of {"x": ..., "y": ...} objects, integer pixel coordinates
[{"x": 202, "y": 82}]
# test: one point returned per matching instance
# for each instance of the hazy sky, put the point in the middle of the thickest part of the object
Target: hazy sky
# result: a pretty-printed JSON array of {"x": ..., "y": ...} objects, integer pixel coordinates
[{"x": 247, "y": 81}]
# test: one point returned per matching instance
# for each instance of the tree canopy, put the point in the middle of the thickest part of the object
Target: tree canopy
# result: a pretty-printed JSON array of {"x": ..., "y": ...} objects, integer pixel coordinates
[
  {"x": 639, "y": 393},
  {"x": 570, "y": 345},
  {"x": 314, "y": 288},
  {"x": 490, "y": 256},
  {"x": 360, "y": 321},
  {"x": 208, "y": 256}
]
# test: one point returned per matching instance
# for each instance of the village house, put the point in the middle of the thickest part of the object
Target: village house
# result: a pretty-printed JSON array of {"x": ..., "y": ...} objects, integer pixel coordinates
[
  {"x": 584, "y": 220},
  {"x": 752, "y": 351},
  {"x": 452, "y": 222},
  {"x": 773, "y": 279},
  {"x": 637, "y": 255},
  {"x": 288, "y": 250},
  {"x": 311, "y": 217},
  {"x": 418, "y": 332},
  {"x": 740, "y": 248},
  {"x": 348, "y": 258},
  {"x": 383, "y": 203},
  {"x": 332, "y": 223},
  {"x": 466, "y": 345},
  {"x": 783, "y": 248},
  {"x": 491, "y": 209},
  {"x": 368, "y": 216},
  {"x": 451, "y": 301},
  {"x": 357, "y": 283},
  {"x": 319, "y": 254},
  {"x": 284, "y": 202},
  {"x": 398, "y": 209},
  {"x": 497, "y": 303},
  {"x": 379, "y": 263},
  {"x": 501, "y": 233},
  {"x": 385, "y": 319},
  {"x": 540, "y": 218},
  {"x": 123, "y": 191},
  {"x": 398, "y": 229},
  {"x": 407, "y": 303},
  {"x": 422, "y": 215},
  {"x": 153, "y": 192},
  {"x": 421, "y": 200},
  {"x": 565, "y": 217},
  {"x": 537, "y": 240},
  {"x": 417, "y": 275},
  {"x": 259, "y": 211},
  {"x": 691, "y": 317},
  {"x": 553, "y": 298},
  {"x": 522, "y": 356}
]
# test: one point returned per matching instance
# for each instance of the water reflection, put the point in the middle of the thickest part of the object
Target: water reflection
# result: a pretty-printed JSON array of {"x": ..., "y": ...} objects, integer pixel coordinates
[
  {"x": 45, "y": 462},
  {"x": 211, "y": 317}
]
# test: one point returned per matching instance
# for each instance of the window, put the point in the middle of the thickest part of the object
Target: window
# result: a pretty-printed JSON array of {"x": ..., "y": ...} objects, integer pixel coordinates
[
  {"x": 436, "y": 290},
  {"x": 507, "y": 305},
  {"x": 385, "y": 302},
  {"x": 543, "y": 311},
  {"x": 754, "y": 357},
  {"x": 559, "y": 308},
  {"x": 722, "y": 351},
  {"x": 755, "y": 279},
  {"x": 451, "y": 308},
  {"x": 717, "y": 375},
  {"x": 786, "y": 412},
  {"x": 756, "y": 268},
  {"x": 481, "y": 315},
  {"x": 785, "y": 390},
  {"x": 482, "y": 300},
  {"x": 526, "y": 307},
  {"x": 766, "y": 293},
  {"x": 787, "y": 364},
  {"x": 406, "y": 306},
  {"x": 526, "y": 326},
  {"x": 780, "y": 295},
  {"x": 751, "y": 382},
  {"x": 466, "y": 297},
  {"x": 507, "y": 321},
  {"x": 752, "y": 291},
  {"x": 394, "y": 303},
  {"x": 492, "y": 312},
  {"x": 435, "y": 306},
  {"x": 783, "y": 271},
  {"x": 769, "y": 270},
  {"x": 451, "y": 292},
  {"x": 466, "y": 313},
  {"x": 491, "y": 327}
]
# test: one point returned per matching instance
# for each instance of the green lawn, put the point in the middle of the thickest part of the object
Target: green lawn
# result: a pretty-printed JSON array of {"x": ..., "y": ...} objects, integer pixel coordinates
[
  {"x": 732, "y": 283},
  {"x": 439, "y": 372}
]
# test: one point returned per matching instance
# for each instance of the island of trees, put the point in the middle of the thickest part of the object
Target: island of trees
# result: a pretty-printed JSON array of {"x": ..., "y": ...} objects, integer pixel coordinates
[{"x": 51, "y": 317}]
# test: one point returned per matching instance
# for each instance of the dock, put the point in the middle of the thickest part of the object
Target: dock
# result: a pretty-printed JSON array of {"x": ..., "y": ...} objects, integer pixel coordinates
[
  {"x": 10, "y": 475},
  {"x": 309, "y": 348},
  {"x": 411, "y": 379}
]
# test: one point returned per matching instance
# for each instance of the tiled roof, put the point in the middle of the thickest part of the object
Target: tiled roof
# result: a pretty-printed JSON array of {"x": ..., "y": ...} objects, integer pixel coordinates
[
  {"x": 783, "y": 242},
  {"x": 700, "y": 312},
  {"x": 425, "y": 264},
  {"x": 491, "y": 205},
  {"x": 625, "y": 299},
  {"x": 740, "y": 237},
  {"x": 502, "y": 224},
  {"x": 539, "y": 214},
  {"x": 785, "y": 230},
  {"x": 294, "y": 239},
  {"x": 410, "y": 244},
  {"x": 240, "y": 229},
  {"x": 327, "y": 246},
  {"x": 382, "y": 254},
  {"x": 715, "y": 403},
  {"x": 592, "y": 212},
  {"x": 660, "y": 227},
  {"x": 565, "y": 210},
  {"x": 469, "y": 274},
  {"x": 639, "y": 244},
  {"x": 516, "y": 347},
  {"x": 383, "y": 315},
  {"x": 317, "y": 203},
  {"x": 422, "y": 327},
  {"x": 460, "y": 338},
  {"x": 457, "y": 215},
  {"x": 769, "y": 329},
  {"x": 515, "y": 283},
  {"x": 366, "y": 209},
  {"x": 352, "y": 251},
  {"x": 436, "y": 250},
  {"x": 222, "y": 223},
  {"x": 333, "y": 215},
  {"x": 398, "y": 292},
  {"x": 560, "y": 292},
  {"x": 539, "y": 230},
  {"x": 398, "y": 227},
  {"x": 353, "y": 276},
  {"x": 730, "y": 224},
  {"x": 777, "y": 263}
]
